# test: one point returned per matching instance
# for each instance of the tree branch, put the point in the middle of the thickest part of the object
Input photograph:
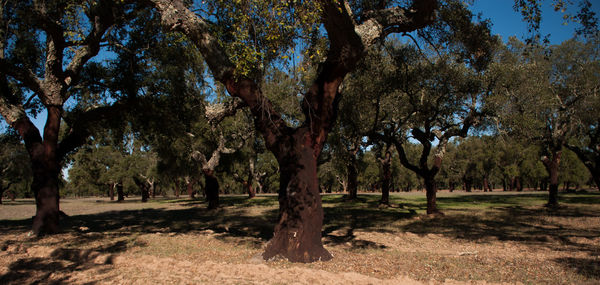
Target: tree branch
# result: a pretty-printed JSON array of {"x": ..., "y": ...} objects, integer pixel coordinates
[
  {"x": 25, "y": 76},
  {"x": 103, "y": 18}
]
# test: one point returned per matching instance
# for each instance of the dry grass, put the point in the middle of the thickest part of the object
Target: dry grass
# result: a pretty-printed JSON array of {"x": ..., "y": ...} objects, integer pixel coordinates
[{"x": 483, "y": 238}]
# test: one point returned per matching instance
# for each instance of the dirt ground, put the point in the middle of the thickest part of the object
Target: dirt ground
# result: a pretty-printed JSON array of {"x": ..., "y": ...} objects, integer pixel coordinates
[{"x": 482, "y": 239}]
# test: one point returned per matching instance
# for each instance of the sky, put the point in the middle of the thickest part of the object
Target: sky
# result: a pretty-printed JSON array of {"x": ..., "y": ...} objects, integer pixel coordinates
[{"x": 505, "y": 22}]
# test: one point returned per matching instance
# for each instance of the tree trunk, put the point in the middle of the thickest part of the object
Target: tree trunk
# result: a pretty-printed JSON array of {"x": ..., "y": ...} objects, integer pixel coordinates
[
  {"x": 190, "y": 188},
  {"x": 111, "y": 191},
  {"x": 552, "y": 165},
  {"x": 177, "y": 188},
  {"x": 248, "y": 185},
  {"x": 120, "y": 194},
  {"x": 386, "y": 178},
  {"x": 46, "y": 170},
  {"x": 144, "y": 188},
  {"x": 211, "y": 188},
  {"x": 468, "y": 184},
  {"x": 431, "y": 189},
  {"x": 486, "y": 184},
  {"x": 297, "y": 235},
  {"x": 352, "y": 178},
  {"x": 45, "y": 190}
]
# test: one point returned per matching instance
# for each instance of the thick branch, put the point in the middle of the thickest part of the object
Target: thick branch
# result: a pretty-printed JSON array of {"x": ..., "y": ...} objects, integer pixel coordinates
[
  {"x": 215, "y": 113},
  {"x": 81, "y": 125},
  {"x": 380, "y": 23},
  {"x": 100, "y": 22},
  {"x": 25, "y": 76}
]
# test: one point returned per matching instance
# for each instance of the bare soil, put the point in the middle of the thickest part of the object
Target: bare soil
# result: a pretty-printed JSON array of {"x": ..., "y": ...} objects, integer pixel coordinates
[{"x": 482, "y": 239}]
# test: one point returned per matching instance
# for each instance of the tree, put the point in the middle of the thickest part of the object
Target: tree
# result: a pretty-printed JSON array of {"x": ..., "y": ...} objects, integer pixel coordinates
[
  {"x": 583, "y": 78},
  {"x": 15, "y": 165},
  {"x": 69, "y": 34},
  {"x": 539, "y": 92},
  {"x": 297, "y": 234}
]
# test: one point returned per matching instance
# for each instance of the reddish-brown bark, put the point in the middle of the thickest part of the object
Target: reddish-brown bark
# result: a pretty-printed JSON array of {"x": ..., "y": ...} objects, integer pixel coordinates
[{"x": 297, "y": 234}]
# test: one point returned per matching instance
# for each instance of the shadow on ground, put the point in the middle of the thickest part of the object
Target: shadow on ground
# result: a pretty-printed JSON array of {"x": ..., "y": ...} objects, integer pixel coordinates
[{"x": 503, "y": 218}]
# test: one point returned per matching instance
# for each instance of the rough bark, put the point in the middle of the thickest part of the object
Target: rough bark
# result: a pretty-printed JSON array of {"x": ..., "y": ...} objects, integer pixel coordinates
[
  {"x": 431, "y": 189},
  {"x": 297, "y": 235},
  {"x": 552, "y": 165},
  {"x": 46, "y": 170},
  {"x": 46, "y": 153}
]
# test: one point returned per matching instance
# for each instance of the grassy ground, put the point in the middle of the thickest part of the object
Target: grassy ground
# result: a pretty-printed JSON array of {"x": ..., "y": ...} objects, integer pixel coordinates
[{"x": 493, "y": 237}]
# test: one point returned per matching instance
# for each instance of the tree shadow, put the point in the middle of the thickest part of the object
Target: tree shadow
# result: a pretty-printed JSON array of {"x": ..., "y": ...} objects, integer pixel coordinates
[
  {"x": 527, "y": 225},
  {"x": 344, "y": 217},
  {"x": 587, "y": 267},
  {"x": 62, "y": 262}
]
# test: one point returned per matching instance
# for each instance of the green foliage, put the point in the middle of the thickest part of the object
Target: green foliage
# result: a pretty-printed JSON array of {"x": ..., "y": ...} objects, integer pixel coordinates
[
  {"x": 257, "y": 33},
  {"x": 15, "y": 168}
]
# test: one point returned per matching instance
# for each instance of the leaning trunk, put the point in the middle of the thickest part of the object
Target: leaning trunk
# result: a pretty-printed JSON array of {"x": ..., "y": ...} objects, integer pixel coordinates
[
  {"x": 297, "y": 235},
  {"x": 211, "y": 188}
]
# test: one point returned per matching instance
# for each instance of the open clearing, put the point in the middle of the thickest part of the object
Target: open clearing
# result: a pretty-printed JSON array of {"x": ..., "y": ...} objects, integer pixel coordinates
[{"x": 499, "y": 237}]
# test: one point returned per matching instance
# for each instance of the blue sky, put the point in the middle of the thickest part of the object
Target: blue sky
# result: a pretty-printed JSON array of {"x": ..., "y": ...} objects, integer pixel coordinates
[{"x": 506, "y": 22}]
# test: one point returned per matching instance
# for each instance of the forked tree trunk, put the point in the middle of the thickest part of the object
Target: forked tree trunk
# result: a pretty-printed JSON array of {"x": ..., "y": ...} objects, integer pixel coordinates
[
  {"x": 211, "y": 188},
  {"x": 297, "y": 235}
]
